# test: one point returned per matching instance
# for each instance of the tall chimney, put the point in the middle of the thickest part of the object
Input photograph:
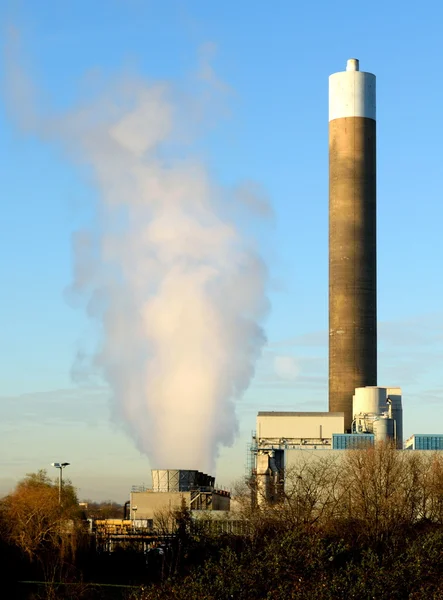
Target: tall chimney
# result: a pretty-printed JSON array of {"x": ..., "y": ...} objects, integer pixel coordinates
[{"x": 352, "y": 236}]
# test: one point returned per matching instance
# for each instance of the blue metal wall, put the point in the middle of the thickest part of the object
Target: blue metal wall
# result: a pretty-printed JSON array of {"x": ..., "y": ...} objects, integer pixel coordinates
[{"x": 345, "y": 441}]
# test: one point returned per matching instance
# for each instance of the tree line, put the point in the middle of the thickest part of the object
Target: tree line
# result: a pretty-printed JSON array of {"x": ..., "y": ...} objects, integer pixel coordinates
[
  {"x": 364, "y": 524},
  {"x": 359, "y": 524}
]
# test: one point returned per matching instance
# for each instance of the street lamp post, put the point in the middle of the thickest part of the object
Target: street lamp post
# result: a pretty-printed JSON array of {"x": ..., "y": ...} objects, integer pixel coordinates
[
  {"x": 60, "y": 466},
  {"x": 134, "y": 512}
]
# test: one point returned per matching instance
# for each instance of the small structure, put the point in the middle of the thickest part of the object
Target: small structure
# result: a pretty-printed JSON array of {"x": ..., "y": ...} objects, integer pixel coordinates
[
  {"x": 174, "y": 490},
  {"x": 424, "y": 441}
]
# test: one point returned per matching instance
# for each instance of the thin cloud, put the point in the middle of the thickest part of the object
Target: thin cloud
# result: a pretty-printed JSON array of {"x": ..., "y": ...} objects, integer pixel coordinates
[
  {"x": 311, "y": 339},
  {"x": 63, "y": 406},
  {"x": 423, "y": 330}
]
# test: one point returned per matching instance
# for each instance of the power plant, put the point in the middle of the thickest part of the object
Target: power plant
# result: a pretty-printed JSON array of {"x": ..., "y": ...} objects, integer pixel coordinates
[
  {"x": 352, "y": 237},
  {"x": 361, "y": 413}
]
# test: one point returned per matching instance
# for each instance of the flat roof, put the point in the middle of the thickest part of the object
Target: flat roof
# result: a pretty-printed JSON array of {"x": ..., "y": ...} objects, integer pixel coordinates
[
  {"x": 271, "y": 413},
  {"x": 425, "y": 435}
]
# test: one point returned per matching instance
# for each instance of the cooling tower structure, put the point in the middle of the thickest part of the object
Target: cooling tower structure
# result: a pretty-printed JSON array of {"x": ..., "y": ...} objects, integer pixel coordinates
[
  {"x": 180, "y": 480},
  {"x": 352, "y": 237}
]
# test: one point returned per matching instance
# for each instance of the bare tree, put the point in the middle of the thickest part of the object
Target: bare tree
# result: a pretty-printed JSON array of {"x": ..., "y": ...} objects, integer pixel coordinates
[
  {"x": 312, "y": 490},
  {"x": 432, "y": 484},
  {"x": 45, "y": 531},
  {"x": 382, "y": 490}
]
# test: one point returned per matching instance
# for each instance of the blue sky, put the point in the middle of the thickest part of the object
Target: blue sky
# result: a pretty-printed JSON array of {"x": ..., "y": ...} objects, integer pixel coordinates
[{"x": 269, "y": 126}]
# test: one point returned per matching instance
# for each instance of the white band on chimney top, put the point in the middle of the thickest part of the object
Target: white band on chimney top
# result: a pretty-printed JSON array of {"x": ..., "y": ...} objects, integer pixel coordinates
[{"x": 351, "y": 93}]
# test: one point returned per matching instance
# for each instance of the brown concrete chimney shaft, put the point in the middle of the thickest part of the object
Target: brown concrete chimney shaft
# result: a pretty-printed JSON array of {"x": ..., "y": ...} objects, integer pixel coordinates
[{"x": 352, "y": 237}]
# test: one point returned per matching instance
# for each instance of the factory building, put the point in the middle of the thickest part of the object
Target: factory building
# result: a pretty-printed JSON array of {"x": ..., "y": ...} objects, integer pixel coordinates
[
  {"x": 283, "y": 439},
  {"x": 375, "y": 410},
  {"x": 172, "y": 490},
  {"x": 278, "y": 430}
]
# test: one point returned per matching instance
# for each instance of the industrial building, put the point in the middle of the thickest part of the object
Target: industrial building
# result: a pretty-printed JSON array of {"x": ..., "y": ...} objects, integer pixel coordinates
[
  {"x": 361, "y": 413},
  {"x": 284, "y": 438},
  {"x": 279, "y": 430},
  {"x": 178, "y": 498},
  {"x": 424, "y": 441},
  {"x": 173, "y": 490},
  {"x": 277, "y": 433},
  {"x": 378, "y": 410}
]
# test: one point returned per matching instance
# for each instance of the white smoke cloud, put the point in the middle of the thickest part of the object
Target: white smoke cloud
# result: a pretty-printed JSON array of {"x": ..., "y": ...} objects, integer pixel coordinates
[{"x": 175, "y": 286}]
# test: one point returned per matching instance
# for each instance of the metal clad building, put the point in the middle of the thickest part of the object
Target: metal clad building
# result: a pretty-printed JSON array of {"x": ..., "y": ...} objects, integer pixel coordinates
[
  {"x": 279, "y": 429},
  {"x": 179, "y": 480},
  {"x": 421, "y": 441},
  {"x": 348, "y": 441}
]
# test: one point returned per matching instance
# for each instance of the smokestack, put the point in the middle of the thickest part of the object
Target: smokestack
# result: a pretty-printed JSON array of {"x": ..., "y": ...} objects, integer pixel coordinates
[{"x": 352, "y": 236}]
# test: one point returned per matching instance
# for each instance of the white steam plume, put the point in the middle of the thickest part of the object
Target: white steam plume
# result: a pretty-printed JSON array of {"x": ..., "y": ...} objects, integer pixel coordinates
[
  {"x": 182, "y": 295},
  {"x": 177, "y": 289}
]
